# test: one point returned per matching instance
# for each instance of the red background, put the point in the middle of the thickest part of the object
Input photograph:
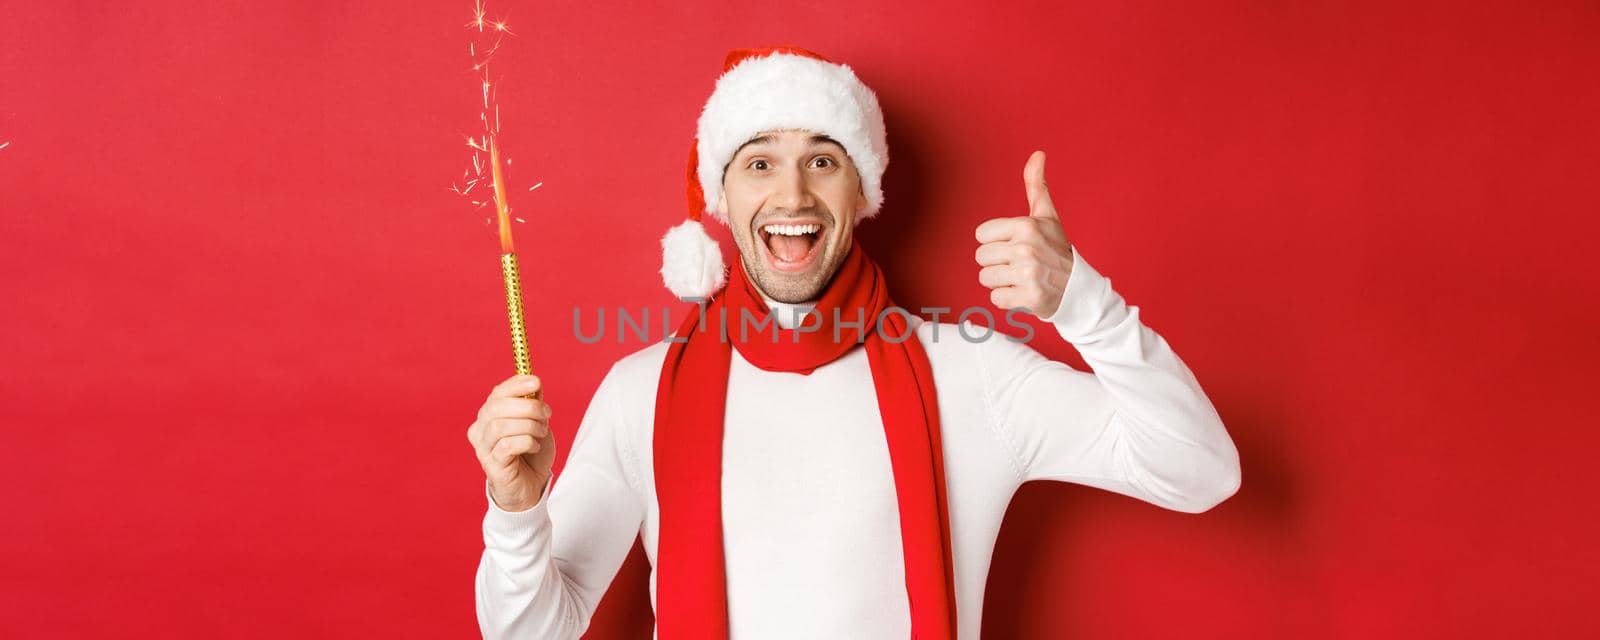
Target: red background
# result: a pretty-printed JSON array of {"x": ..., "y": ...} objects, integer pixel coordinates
[{"x": 244, "y": 325}]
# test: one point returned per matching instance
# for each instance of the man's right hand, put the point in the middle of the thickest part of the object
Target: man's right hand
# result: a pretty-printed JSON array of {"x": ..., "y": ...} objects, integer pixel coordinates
[{"x": 514, "y": 444}]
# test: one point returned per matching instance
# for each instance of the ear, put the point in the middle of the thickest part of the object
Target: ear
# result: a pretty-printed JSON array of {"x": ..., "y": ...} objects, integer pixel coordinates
[{"x": 722, "y": 204}]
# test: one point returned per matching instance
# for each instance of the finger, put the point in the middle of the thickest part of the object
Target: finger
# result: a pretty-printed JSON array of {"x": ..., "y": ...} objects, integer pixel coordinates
[
  {"x": 507, "y": 449},
  {"x": 1039, "y": 204},
  {"x": 1002, "y": 275},
  {"x": 505, "y": 427},
  {"x": 1004, "y": 297},
  {"x": 993, "y": 253},
  {"x": 1012, "y": 253},
  {"x": 475, "y": 437},
  {"x": 1002, "y": 229},
  {"x": 514, "y": 408},
  {"x": 517, "y": 386}
]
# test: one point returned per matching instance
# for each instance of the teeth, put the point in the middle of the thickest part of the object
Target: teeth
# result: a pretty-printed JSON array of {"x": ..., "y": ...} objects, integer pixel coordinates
[{"x": 792, "y": 229}]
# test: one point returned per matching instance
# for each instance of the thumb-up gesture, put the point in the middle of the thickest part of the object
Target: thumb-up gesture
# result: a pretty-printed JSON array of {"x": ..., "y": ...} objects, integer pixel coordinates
[{"x": 1026, "y": 260}]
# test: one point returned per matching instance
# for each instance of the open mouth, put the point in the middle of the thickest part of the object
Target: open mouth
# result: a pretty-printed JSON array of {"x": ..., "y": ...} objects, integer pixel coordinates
[{"x": 791, "y": 247}]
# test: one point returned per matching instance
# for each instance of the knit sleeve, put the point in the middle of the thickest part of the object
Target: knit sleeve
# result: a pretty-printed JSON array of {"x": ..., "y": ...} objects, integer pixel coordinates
[
  {"x": 544, "y": 570},
  {"x": 1139, "y": 425}
]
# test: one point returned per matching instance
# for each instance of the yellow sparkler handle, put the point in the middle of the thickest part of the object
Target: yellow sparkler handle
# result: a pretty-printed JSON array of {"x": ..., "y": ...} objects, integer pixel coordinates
[{"x": 519, "y": 334}]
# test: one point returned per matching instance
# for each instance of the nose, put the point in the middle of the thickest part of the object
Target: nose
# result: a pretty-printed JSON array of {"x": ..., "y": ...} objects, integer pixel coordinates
[{"x": 794, "y": 191}]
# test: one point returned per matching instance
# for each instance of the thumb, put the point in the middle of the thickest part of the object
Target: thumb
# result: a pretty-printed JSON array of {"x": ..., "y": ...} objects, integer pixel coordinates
[{"x": 1039, "y": 204}]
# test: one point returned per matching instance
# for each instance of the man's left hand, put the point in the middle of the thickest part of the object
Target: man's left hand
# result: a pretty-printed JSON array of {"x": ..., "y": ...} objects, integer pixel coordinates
[{"x": 1026, "y": 260}]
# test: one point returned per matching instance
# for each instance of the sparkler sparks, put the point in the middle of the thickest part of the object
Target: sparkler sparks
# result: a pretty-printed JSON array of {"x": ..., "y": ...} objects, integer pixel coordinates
[
  {"x": 492, "y": 32},
  {"x": 489, "y": 34}
]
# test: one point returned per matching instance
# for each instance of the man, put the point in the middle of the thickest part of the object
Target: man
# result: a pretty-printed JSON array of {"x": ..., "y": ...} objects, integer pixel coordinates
[{"x": 844, "y": 476}]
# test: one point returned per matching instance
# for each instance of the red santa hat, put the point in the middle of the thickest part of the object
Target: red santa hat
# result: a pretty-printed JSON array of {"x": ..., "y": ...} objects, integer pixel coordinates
[{"x": 760, "y": 90}]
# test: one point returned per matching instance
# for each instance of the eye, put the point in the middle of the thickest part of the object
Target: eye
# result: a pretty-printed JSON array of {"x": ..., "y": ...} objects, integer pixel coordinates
[
  {"x": 823, "y": 162},
  {"x": 759, "y": 165}
]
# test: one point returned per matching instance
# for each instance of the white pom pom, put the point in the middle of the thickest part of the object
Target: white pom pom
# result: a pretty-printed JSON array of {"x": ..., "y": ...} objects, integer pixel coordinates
[{"x": 691, "y": 262}]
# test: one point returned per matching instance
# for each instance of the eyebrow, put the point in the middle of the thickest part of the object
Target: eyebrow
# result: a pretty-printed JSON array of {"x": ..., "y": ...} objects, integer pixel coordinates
[{"x": 768, "y": 138}]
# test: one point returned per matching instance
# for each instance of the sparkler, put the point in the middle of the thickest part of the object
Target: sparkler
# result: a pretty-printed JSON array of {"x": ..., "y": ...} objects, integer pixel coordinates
[{"x": 492, "y": 32}]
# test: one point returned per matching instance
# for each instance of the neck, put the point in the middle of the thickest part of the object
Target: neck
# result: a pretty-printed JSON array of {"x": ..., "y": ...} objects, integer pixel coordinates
[{"x": 788, "y": 314}]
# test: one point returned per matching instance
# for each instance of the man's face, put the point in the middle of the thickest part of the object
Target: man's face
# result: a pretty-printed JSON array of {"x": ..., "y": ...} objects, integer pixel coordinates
[{"x": 791, "y": 198}]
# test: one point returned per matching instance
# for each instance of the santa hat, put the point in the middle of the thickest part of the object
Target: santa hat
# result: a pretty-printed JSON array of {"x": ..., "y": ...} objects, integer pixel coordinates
[{"x": 760, "y": 90}]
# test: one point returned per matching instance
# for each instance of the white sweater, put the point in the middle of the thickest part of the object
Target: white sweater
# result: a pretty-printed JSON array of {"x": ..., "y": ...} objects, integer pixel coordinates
[{"x": 810, "y": 522}]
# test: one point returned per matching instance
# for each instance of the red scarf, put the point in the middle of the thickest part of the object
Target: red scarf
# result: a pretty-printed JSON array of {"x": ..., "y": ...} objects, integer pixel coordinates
[{"x": 691, "y": 580}]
